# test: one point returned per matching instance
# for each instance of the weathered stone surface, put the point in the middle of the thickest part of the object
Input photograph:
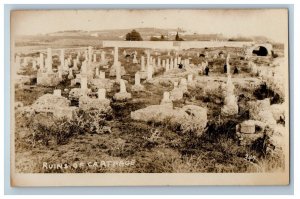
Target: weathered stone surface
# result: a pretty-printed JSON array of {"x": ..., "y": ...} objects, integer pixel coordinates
[
  {"x": 261, "y": 110},
  {"x": 166, "y": 98},
  {"x": 57, "y": 105},
  {"x": 248, "y": 126},
  {"x": 189, "y": 116},
  {"x": 103, "y": 83},
  {"x": 176, "y": 94},
  {"x": 45, "y": 79},
  {"x": 156, "y": 113},
  {"x": 137, "y": 88},
  {"x": 75, "y": 93},
  {"x": 67, "y": 112},
  {"x": 230, "y": 107},
  {"x": 87, "y": 103},
  {"x": 122, "y": 96},
  {"x": 112, "y": 72},
  {"x": 143, "y": 74},
  {"x": 49, "y": 102}
]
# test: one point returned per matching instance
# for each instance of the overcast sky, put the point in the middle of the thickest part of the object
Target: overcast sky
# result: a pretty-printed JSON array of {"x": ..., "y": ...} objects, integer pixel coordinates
[{"x": 269, "y": 23}]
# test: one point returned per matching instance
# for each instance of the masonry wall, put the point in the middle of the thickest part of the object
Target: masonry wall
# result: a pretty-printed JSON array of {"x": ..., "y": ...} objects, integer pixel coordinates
[{"x": 174, "y": 44}]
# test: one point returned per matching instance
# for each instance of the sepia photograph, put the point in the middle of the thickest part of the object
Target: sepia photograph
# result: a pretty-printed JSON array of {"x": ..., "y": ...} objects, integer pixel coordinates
[{"x": 117, "y": 97}]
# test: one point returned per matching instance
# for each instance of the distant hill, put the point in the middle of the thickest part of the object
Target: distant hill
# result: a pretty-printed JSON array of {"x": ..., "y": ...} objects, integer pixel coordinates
[
  {"x": 81, "y": 37},
  {"x": 147, "y": 33}
]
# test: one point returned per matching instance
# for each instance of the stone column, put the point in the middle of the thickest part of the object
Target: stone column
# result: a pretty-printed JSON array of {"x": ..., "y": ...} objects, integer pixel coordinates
[
  {"x": 118, "y": 72},
  {"x": 86, "y": 55},
  {"x": 41, "y": 61},
  {"x": 62, "y": 58},
  {"x": 148, "y": 58},
  {"x": 90, "y": 53},
  {"x": 134, "y": 59},
  {"x": 158, "y": 62},
  {"x": 122, "y": 86},
  {"x": 137, "y": 79},
  {"x": 84, "y": 68},
  {"x": 153, "y": 62},
  {"x": 175, "y": 63},
  {"x": 101, "y": 93},
  {"x": 34, "y": 65},
  {"x": 102, "y": 75},
  {"x": 179, "y": 60},
  {"x": 94, "y": 58},
  {"x": 190, "y": 78},
  {"x": 149, "y": 72},
  {"x": 228, "y": 65},
  {"x": 167, "y": 67},
  {"x": 97, "y": 72},
  {"x": 142, "y": 63},
  {"x": 166, "y": 98},
  {"x": 83, "y": 83},
  {"x": 70, "y": 76},
  {"x": 171, "y": 64},
  {"x": 49, "y": 60},
  {"x": 116, "y": 56},
  {"x": 75, "y": 67},
  {"x": 102, "y": 57},
  {"x": 164, "y": 63},
  {"x": 66, "y": 65},
  {"x": 168, "y": 64}
]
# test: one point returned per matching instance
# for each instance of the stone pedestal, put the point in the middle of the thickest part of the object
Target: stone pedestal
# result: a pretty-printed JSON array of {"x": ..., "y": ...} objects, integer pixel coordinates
[
  {"x": 123, "y": 95},
  {"x": 116, "y": 69},
  {"x": 137, "y": 83}
]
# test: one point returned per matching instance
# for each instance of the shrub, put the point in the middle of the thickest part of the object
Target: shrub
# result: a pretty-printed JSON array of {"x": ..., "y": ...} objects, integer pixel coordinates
[{"x": 46, "y": 128}]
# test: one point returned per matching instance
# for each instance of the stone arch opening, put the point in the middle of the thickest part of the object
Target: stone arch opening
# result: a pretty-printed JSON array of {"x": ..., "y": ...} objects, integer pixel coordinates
[{"x": 260, "y": 51}]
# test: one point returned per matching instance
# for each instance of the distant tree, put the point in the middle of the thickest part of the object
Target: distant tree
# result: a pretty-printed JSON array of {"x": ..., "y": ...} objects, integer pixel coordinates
[
  {"x": 133, "y": 36},
  {"x": 162, "y": 37},
  {"x": 177, "y": 38}
]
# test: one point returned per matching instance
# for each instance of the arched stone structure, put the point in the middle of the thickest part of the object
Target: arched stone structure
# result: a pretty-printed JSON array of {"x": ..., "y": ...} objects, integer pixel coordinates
[{"x": 262, "y": 49}]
